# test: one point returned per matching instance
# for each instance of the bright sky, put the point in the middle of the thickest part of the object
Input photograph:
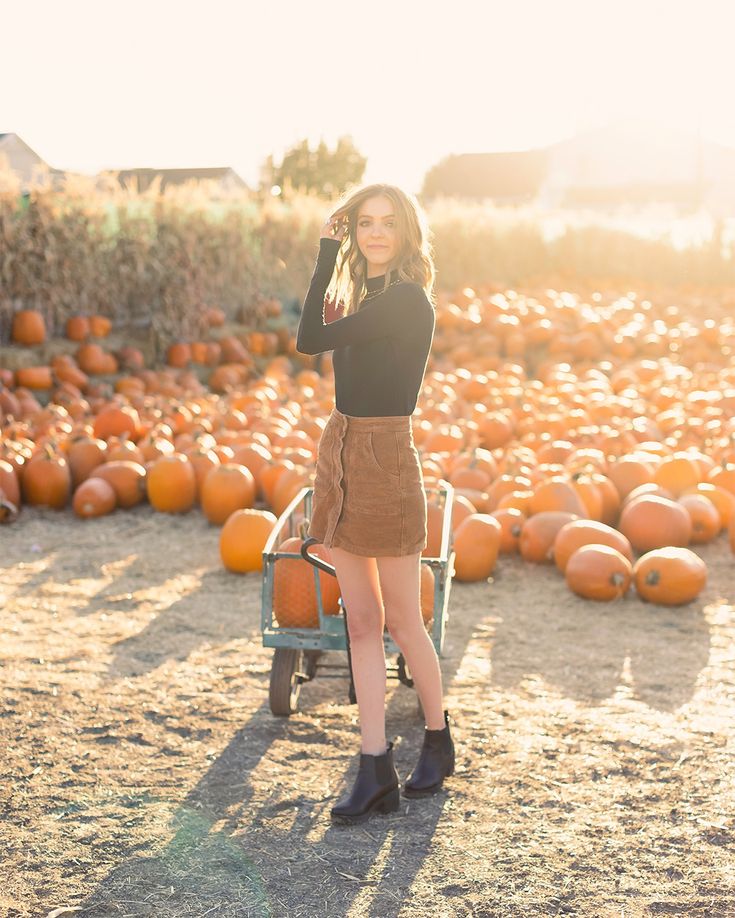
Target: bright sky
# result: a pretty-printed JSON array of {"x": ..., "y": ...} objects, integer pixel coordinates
[{"x": 91, "y": 85}]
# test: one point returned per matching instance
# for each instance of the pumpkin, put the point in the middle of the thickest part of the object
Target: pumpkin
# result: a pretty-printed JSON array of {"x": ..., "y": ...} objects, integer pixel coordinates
[
  {"x": 669, "y": 576},
  {"x": 214, "y": 317},
  {"x": 203, "y": 460},
  {"x": 678, "y": 472},
  {"x": 47, "y": 480},
  {"x": 178, "y": 354},
  {"x": 29, "y": 327},
  {"x": 556, "y": 494},
  {"x": 426, "y": 590},
  {"x": 243, "y": 537},
  {"x": 92, "y": 359},
  {"x": 629, "y": 472},
  {"x": 9, "y": 483},
  {"x": 722, "y": 499},
  {"x": 511, "y": 525},
  {"x": 476, "y": 545},
  {"x": 8, "y": 510},
  {"x": 100, "y": 326},
  {"x": 587, "y": 532},
  {"x": 294, "y": 588},
  {"x": 83, "y": 455},
  {"x": 538, "y": 534},
  {"x": 115, "y": 421},
  {"x": 127, "y": 480},
  {"x": 650, "y": 522},
  {"x": 598, "y": 572},
  {"x": 34, "y": 377},
  {"x": 171, "y": 484},
  {"x": 94, "y": 497},
  {"x": 705, "y": 517},
  {"x": 77, "y": 328},
  {"x": 226, "y": 488}
]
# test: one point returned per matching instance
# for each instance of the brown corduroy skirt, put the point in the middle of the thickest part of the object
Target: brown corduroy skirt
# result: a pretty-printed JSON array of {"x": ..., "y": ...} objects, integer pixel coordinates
[{"x": 369, "y": 495}]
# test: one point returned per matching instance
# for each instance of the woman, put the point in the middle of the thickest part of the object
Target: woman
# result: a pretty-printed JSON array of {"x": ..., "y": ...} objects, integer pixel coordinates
[{"x": 369, "y": 504}]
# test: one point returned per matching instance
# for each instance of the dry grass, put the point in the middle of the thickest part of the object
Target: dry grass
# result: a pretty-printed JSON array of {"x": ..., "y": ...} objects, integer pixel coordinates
[{"x": 158, "y": 260}]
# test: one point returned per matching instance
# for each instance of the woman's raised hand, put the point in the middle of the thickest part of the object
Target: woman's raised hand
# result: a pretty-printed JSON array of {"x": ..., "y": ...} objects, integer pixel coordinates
[{"x": 334, "y": 228}]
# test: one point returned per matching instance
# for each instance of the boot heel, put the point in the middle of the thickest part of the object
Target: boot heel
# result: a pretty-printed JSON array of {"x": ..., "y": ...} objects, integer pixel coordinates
[{"x": 389, "y": 803}]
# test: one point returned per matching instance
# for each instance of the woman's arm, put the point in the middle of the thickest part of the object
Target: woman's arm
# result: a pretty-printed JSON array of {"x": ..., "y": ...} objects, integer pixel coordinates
[{"x": 394, "y": 313}]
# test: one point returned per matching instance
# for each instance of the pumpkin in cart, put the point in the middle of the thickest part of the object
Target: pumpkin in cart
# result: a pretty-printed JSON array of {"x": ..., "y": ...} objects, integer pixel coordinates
[{"x": 294, "y": 587}]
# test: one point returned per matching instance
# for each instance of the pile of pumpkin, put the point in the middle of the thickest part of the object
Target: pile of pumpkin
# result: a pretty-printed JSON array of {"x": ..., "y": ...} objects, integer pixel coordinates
[
  {"x": 228, "y": 359},
  {"x": 634, "y": 457}
]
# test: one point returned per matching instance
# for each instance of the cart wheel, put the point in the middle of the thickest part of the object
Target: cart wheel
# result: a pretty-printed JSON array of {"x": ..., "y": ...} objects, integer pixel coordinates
[
  {"x": 311, "y": 658},
  {"x": 285, "y": 684}
]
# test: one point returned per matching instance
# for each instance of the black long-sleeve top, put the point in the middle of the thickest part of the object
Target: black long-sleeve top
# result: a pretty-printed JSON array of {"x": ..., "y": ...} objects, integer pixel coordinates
[{"x": 380, "y": 351}]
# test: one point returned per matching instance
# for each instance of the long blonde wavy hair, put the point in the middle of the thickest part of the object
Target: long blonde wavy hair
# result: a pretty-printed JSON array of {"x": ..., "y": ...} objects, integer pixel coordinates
[{"x": 414, "y": 259}]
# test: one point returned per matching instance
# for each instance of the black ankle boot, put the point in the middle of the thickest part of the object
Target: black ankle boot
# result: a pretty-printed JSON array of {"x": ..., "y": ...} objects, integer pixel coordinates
[
  {"x": 376, "y": 789},
  {"x": 435, "y": 763}
]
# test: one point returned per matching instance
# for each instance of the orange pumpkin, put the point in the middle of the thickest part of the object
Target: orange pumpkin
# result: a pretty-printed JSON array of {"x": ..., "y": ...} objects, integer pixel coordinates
[
  {"x": 598, "y": 572},
  {"x": 574, "y": 535},
  {"x": 127, "y": 479},
  {"x": 669, "y": 576},
  {"x": 650, "y": 522},
  {"x": 171, "y": 484},
  {"x": 83, "y": 455},
  {"x": 243, "y": 537},
  {"x": 8, "y": 510},
  {"x": 29, "y": 327},
  {"x": 77, "y": 328},
  {"x": 476, "y": 545},
  {"x": 100, "y": 326},
  {"x": 34, "y": 377},
  {"x": 426, "y": 589},
  {"x": 115, "y": 421},
  {"x": 705, "y": 517},
  {"x": 9, "y": 483},
  {"x": 94, "y": 497},
  {"x": 511, "y": 525},
  {"x": 226, "y": 488},
  {"x": 723, "y": 500},
  {"x": 536, "y": 543},
  {"x": 47, "y": 480},
  {"x": 179, "y": 354},
  {"x": 554, "y": 494},
  {"x": 294, "y": 588}
]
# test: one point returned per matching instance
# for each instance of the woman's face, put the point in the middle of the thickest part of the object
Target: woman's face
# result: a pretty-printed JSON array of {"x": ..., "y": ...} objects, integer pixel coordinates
[{"x": 377, "y": 236}]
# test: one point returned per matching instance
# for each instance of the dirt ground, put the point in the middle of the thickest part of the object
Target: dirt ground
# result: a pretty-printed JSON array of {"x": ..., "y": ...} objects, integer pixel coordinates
[{"x": 143, "y": 773}]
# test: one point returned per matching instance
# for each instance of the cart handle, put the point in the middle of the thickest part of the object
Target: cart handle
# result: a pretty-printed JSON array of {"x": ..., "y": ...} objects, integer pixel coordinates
[{"x": 313, "y": 559}]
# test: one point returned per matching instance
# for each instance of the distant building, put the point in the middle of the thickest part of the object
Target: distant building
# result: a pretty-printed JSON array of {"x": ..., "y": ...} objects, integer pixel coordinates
[
  {"x": 33, "y": 170},
  {"x": 141, "y": 179},
  {"x": 626, "y": 164},
  {"x": 26, "y": 163}
]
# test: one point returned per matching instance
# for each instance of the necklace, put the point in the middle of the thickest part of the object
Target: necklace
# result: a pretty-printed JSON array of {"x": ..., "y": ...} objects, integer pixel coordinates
[{"x": 378, "y": 292}]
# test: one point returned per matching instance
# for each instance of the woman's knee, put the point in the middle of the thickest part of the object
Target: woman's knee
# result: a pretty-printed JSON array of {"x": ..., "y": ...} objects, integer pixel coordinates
[
  {"x": 403, "y": 623},
  {"x": 364, "y": 622}
]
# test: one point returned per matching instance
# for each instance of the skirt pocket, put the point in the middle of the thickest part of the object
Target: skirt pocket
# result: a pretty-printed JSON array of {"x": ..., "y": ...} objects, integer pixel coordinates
[{"x": 384, "y": 449}]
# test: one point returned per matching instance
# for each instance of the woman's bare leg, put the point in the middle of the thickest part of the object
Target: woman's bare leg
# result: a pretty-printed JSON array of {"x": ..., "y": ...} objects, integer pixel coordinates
[
  {"x": 357, "y": 576},
  {"x": 400, "y": 579}
]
